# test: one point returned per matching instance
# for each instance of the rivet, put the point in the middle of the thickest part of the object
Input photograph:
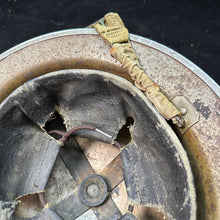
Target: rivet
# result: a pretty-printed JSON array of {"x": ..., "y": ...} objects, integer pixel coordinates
[
  {"x": 93, "y": 190},
  {"x": 183, "y": 111}
]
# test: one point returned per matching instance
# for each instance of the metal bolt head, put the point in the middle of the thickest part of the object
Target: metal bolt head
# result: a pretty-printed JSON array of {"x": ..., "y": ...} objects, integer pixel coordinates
[
  {"x": 93, "y": 190},
  {"x": 183, "y": 111}
]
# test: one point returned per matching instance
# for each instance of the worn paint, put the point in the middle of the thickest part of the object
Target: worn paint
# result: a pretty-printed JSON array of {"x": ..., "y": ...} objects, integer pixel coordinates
[
  {"x": 201, "y": 141},
  {"x": 200, "y": 107}
]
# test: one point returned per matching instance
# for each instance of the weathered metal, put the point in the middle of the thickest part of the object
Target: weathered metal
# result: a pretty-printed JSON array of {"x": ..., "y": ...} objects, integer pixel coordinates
[
  {"x": 176, "y": 76},
  {"x": 93, "y": 190},
  {"x": 189, "y": 114}
]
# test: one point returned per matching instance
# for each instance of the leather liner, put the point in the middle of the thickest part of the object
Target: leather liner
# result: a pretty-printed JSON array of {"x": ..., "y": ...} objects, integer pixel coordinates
[{"x": 156, "y": 168}]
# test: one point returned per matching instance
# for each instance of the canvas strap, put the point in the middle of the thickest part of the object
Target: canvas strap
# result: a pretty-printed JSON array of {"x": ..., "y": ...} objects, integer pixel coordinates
[{"x": 112, "y": 29}]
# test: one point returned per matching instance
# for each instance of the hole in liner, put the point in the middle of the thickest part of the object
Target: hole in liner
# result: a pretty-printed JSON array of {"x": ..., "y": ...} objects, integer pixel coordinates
[
  {"x": 124, "y": 136},
  {"x": 55, "y": 123},
  {"x": 30, "y": 206}
]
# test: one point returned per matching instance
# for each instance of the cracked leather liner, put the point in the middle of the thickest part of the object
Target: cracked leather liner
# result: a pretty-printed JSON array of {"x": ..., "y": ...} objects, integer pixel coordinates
[{"x": 156, "y": 169}]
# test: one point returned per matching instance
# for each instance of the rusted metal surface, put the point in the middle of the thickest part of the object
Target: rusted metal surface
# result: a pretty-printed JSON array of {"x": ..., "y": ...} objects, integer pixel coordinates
[{"x": 175, "y": 76}]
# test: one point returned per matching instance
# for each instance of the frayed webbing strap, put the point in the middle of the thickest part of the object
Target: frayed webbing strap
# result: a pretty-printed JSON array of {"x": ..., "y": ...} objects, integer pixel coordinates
[{"x": 112, "y": 29}]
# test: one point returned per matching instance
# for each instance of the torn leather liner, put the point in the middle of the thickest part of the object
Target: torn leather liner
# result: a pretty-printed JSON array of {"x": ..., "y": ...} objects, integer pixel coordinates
[{"x": 155, "y": 166}]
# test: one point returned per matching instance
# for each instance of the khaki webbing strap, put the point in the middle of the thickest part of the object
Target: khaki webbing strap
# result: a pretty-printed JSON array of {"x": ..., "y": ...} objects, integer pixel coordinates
[{"x": 113, "y": 30}]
